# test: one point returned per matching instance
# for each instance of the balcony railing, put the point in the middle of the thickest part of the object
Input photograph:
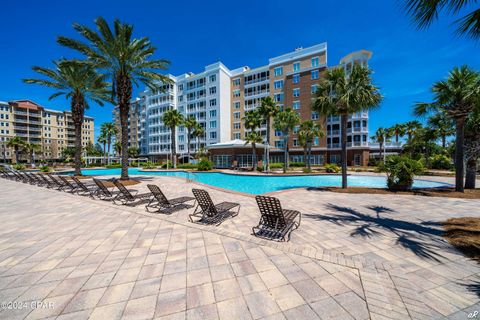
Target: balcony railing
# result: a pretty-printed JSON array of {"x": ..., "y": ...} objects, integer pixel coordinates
[
  {"x": 333, "y": 145},
  {"x": 357, "y": 144},
  {"x": 334, "y": 132}
]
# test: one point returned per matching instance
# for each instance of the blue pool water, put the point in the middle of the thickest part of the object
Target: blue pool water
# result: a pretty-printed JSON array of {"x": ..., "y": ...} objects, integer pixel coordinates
[{"x": 264, "y": 184}]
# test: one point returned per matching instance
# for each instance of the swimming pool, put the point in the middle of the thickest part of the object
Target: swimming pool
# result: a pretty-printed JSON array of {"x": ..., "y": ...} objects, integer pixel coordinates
[{"x": 264, "y": 184}]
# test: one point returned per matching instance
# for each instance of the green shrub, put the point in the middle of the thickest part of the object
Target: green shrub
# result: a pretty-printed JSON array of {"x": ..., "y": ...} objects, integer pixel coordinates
[
  {"x": 296, "y": 164},
  {"x": 440, "y": 161},
  {"x": 164, "y": 165},
  {"x": 306, "y": 170},
  {"x": 187, "y": 166},
  {"x": 205, "y": 165},
  {"x": 332, "y": 168},
  {"x": 113, "y": 166},
  {"x": 148, "y": 165},
  {"x": 260, "y": 168},
  {"x": 19, "y": 166},
  {"x": 276, "y": 165},
  {"x": 400, "y": 172},
  {"x": 45, "y": 169}
]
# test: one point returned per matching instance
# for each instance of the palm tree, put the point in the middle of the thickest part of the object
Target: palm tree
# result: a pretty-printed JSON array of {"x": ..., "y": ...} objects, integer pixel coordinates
[
  {"x": 198, "y": 132},
  {"x": 108, "y": 130},
  {"x": 424, "y": 12},
  {"x": 103, "y": 140},
  {"x": 443, "y": 125},
  {"x": 172, "y": 119},
  {"x": 190, "y": 123},
  {"x": 17, "y": 144},
  {"x": 268, "y": 109},
  {"x": 254, "y": 137},
  {"x": 309, "y": 130},
  {"x": 411, "y": 127},
  {"x": 30, "y": 149},
  {"x": 398, "y": 130},
  {"x": 381, "y": 136},
  {"x": 79, "y": 82},
  {"x": 457, "y": 96},
  {"x": 285, "y": 121},
  {"x": 472, "y": 149},
  {"x": 340, "y": 94},
  {"x": 126, "y": 60}
]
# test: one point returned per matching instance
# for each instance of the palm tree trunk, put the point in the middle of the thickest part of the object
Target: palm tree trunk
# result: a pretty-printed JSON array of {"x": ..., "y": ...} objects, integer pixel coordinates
[
  {"x": 188, "y": 146},
  {"x": 78, "y": 109},
  {"x": 32, "y": 165},
  {"x": 344, "y": 119},
  {"x": 17, "y": 154},
  {"x": 174, "y": 151},
  {"x": 459, "y": 153},
  {"x": 104, "y": 153},
  {"x": 305, "y": 147},
  {"x": 471, "y": 175},
  {"x": 254, "y": 156},
  {"x": 267, "y": 160},
  {"x": 285, "y": 153},
  {"x": 444, "y": 141},
  {"x": 124, "y": 95},
  {"x": 309, "y": 161}
]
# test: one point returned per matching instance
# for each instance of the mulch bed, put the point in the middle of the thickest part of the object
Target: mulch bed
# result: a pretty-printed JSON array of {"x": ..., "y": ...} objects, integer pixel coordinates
[
  {"x": 427, "y": 192},
  {"x": 464, "y": 234}
]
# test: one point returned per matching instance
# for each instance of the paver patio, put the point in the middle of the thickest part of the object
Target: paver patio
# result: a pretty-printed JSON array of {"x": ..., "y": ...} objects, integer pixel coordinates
[{"x": 354, "y": 256}]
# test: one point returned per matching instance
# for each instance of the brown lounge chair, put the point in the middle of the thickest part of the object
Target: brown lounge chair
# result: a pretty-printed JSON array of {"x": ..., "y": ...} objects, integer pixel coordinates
[
  {"x": 103, "y": 193},
  {"x": 275, "y": 223},
  {"x": 129, "y": 196},
  {"x": 210, "y": 212},
  {"x": 58, "y": 184},
  {"x": 83, "y": 189},
  {"x": 161, "y": 203},
  {"x": 67, "y": 185}
]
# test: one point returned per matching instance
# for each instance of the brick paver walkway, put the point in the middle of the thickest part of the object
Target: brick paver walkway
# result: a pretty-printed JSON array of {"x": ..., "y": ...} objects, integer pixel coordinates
[{"x": 354, "y": 256}]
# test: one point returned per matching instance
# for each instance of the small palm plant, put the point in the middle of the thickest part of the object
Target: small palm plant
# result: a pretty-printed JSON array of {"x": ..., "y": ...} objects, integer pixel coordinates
[
  {"x": 31, "y": 149},
  {"x": 398, "y": 130},
  {"x": 103, "y": 141},
  {"x": 79, "y": 82},
  {"x": 268, "y": 109},
  {"x": 285, "y": 121},
  {"x": 252, "y": 121},
  {"x": 309, "y": 130},
  {"x": 341, "y": 95},
  {"x": 381, "y": 137},
  {"x": 458, "y": 96},
  {"x": 172, "y": 119},
  {"x": 109, "y": 130},
  {"x": 126, "y": 60},
  {"x": 16, "y": 143},
  {"x": 254, "y": 137},
  {"x": 198, "y": 132},
  {"x": 190, "y": 123}
]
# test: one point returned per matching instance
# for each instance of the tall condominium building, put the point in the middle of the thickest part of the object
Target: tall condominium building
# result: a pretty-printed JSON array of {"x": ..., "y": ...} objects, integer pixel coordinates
[
  {"x": 219, "y": 98},
  {"x": 52, "y": 130}
]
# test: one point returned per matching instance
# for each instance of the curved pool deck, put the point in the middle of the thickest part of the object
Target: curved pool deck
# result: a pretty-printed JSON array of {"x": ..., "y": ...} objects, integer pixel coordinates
[{"x": 261, "y": 184}]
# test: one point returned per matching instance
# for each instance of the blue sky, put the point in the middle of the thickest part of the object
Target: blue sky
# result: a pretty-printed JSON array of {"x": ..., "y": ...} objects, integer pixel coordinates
[{"x": 192, "y": 34}]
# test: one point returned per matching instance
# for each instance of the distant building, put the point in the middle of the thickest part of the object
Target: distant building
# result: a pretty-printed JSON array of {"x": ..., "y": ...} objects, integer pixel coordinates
[
  {"x": 51, "y": 129},
  {"x": 134, "y": 122},
  {"x": 218, "y": 98}
]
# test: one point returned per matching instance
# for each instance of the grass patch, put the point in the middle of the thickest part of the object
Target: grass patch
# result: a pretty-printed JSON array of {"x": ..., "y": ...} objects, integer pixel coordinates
[
  {"x": 464, "y": 234},
  {"x": 427, "y": 192}
]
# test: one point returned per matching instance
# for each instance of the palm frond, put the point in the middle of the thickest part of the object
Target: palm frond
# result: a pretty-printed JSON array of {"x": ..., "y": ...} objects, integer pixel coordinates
[
  {"x": 470, "y": 25},
  {"x": 424, "y": 12}
]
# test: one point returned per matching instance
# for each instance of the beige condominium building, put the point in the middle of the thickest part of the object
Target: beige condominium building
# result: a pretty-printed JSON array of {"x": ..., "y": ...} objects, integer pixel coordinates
[
  {"x": 134, "y": 123},
  {"x": 291, "y": 80},
  {"x": 52, "y": 130}
]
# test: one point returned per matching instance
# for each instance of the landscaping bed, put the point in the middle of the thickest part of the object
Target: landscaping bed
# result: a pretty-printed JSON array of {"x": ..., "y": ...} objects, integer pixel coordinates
[{"x": 464, "y": 234}]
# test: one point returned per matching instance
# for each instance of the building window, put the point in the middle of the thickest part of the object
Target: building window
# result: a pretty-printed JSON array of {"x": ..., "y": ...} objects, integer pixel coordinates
[
  {"x": 296, "y": 67},
  {"x": 278, "y": 133},
  {"x": 236, "y": 82},
  {"x": 278, "y": 84},
  {"x": 296, "y": 92},
  {"x": 278, "y": 71},
  {"x": 213, "y": 78},
  {"x": 314, "y": 115},
  {"x": 180, "y": 87},
  {"x": 296, "y": 129},
  {"x": 296, "y": 78},
  {"x": 315, "y": 62},
  {"x": 212, "y": 90},
  {"x": 296, "y": 105},
  {"x": 213, "y": 113},
  {"x": 237, "y": 135},
  {"x": 314, "y": 88},
  {"x": 236, "y": 125},
  {"x": 236, "y": 105},
  {"x": 236, "y": 115},
  {"x": 213, "y": 135},
  {"x": 213, "y": 124},
  {"x": 315, "y": 74},
  {"x": 213, "y": 102},
  {"x": 236, "y": 93},
  {"x": 279, "y": 144},
  {"x": 295, "y": 143},
  {"x": 278, "y": 97}
]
